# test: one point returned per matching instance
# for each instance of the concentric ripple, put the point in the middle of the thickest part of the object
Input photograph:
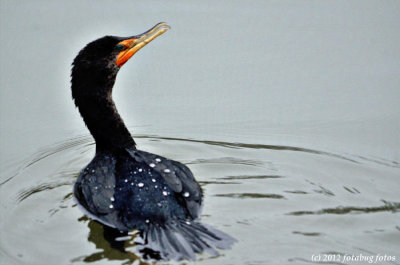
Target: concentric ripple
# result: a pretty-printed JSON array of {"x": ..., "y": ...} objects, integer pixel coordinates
[{"x": 280, "y": 202}]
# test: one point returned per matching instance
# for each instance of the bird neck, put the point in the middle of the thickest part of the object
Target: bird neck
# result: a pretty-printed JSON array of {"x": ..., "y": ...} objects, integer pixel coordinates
[{"x": 104, "y": 123}]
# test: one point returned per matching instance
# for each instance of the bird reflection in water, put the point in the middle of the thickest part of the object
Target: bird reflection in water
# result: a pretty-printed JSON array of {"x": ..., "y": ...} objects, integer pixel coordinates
[{"x": 110, "y": 248}]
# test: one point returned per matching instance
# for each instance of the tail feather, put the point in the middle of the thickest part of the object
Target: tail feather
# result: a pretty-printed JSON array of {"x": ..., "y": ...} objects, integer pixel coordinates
[
  {"x": 179, "y": 244},
  {"x": 198, "y": 241},
  {"x": 201, "y": 239},
  {"x": 182, "y": 240},
  {"x": 220, "y": 239},
  {"x": 197, "y": 244}
]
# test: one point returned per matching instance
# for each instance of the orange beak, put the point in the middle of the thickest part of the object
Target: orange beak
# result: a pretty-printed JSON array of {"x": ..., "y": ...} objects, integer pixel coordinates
[{"x": 134, "y": 44}]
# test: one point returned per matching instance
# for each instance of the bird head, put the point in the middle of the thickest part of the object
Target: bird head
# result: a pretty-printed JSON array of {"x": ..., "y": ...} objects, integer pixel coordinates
[{"x": 97, "y": 64}]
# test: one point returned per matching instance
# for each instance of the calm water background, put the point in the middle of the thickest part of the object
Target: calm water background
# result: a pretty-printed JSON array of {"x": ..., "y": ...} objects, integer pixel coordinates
[{"x": 288, "y": 113}]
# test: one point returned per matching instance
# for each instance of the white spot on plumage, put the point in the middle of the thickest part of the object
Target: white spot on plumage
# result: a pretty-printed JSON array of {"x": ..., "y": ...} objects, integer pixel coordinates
[
  {"x": 186, "y": 194},
  {"x": 165, "y": 193},
  {"x": 167, "y": 170},
  {"x": 140, "y": 184},
  {"x": 153, "y": 180},
  {"x": 158, "y": 159},
  {"x": 111, "y": 206},
  {"x": 112, "y": 199},
  {"x": 140, "y": 170},
  {"x": 126, "y": 180},
  {"x": 147, "y": 221},
  {"x": 152, "y": 165}
]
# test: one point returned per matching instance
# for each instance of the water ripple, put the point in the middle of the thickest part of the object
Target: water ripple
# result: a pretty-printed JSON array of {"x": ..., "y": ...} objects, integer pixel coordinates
[
  {"x": 25, "y": 194},
  {"x": 251, "y": 195},
  {"x": 387, "y": 207},
  {"x": 242, "y": 177}
]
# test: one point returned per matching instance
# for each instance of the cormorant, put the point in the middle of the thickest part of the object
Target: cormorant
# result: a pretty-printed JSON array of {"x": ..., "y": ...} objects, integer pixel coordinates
[{"x": 126, "y": 188}]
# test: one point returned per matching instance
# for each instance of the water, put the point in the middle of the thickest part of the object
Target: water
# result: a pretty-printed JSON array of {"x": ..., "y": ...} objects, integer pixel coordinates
[{"x": 286, "y": 112}]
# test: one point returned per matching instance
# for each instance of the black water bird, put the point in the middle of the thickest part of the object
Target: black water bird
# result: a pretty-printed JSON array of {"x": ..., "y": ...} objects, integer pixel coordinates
[{"x": 123, "y": 187}]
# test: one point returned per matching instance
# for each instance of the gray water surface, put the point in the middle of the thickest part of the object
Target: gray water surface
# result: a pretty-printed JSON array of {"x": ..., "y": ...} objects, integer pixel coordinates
[{"x": 287, "y": 112}]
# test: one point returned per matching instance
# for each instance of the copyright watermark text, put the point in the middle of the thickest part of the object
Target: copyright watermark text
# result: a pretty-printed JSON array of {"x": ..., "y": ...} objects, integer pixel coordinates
[{"x": 352, "y": 258}]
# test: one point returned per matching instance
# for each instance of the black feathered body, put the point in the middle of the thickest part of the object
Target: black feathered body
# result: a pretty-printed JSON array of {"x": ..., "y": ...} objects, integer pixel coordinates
[{"x": 133, "y": 189}]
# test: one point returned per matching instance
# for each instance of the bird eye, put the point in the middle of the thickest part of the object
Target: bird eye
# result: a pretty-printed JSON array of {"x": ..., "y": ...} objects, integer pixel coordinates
[{"x": 120, "y": 47}]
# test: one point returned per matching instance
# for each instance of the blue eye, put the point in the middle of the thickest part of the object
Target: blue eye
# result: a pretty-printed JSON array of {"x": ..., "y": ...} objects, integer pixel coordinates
[{"x": 120, "y": 47}]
